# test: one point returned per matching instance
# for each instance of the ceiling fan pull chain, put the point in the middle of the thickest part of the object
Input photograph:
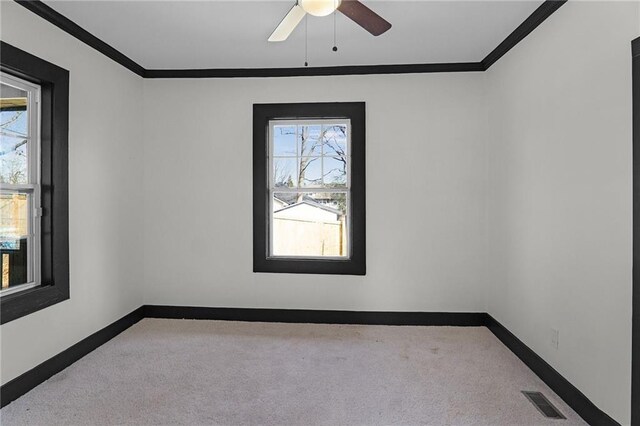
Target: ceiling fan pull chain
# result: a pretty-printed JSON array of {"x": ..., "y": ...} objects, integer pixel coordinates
[
  {"x": 335, "y": 44},
  {"x": 306, "y": 41}
]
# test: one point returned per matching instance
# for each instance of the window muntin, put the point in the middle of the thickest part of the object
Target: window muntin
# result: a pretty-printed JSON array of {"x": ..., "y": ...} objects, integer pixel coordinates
[
  {"x": 309, "y": 189},
  {"x": 19, "y": 184}
]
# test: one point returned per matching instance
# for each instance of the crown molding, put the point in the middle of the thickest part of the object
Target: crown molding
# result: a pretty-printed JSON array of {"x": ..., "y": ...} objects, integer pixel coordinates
[
  {"x": 538, "y": 16},
  {"x": 66, "y": 24},
  {"x": 545, "y": 10},
  {"x": 316, "y": 71}
]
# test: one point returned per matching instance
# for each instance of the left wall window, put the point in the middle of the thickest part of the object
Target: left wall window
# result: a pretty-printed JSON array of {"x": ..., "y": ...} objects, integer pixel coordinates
[
  {"x": 20, "y": 202},
  {"x": 34, "y": 187}
]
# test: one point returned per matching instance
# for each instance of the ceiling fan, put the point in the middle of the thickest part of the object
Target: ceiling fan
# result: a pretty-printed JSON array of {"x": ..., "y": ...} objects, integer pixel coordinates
[{"x": 352, "y": 9}]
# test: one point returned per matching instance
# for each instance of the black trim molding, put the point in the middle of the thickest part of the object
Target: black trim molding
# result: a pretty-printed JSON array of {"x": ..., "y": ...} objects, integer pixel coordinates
[
  {"x": 561, "y": 386},
  {"x": 635, "y": 345},
  {"x": 24, "y": 383},
  {"x": 536, "y": 18},
  {"x": 308, "y": 316},
  {"x": 54, "y": 152},
  {"x": 66, "y": 24},
  {"x": 317, "y": 71},
  {"x": 262, "y": 115}
]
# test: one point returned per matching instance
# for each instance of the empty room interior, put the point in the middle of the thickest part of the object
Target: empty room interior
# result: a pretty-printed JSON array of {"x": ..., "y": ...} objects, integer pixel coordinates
[{"x": 320, "y": 212}]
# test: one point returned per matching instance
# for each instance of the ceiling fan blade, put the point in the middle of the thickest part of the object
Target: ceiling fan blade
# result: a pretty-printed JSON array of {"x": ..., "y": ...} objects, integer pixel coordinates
[
  {"x": 363, "y": 16},
  {"x": 288, "y": 24}
]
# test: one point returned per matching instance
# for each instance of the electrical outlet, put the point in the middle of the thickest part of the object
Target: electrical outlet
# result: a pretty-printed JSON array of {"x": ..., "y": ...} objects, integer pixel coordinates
[{"x": 555, "y": 338}]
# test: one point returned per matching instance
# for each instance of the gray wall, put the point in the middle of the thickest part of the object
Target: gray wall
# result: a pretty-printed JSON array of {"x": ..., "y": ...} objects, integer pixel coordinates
[
  {"x": 560, "y": 195},
  {"x": 425, "y": 194},
  {"x": 105, "y": 204}
]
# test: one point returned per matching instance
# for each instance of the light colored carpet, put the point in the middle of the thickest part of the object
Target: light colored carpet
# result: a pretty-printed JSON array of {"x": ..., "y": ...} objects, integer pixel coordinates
[{"x": 238, "y": 373}]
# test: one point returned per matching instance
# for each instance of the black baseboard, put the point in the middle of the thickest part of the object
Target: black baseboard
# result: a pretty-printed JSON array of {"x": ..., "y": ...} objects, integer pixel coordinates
[
  {"x": 561, "y": 386},
  {"x": 459, "y": 319},
  {"x": 37, "y": 375}
]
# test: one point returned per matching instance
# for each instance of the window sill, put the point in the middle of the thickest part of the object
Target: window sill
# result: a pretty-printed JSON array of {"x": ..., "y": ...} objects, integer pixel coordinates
[
  {"x": 23, "y": 303},
  {"x": 353, "y": 266}
]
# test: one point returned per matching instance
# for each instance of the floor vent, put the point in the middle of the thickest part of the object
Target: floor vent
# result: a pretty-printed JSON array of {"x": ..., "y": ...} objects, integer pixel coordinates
[{"x": 543, "y": 405}]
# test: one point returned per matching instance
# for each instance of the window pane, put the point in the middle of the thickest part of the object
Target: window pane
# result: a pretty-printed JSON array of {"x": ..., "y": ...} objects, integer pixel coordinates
[
  {"x": 14, "y": 128},
  {"x": 14, "y": 230},
  {"x": 13, "y": 110},
  {"x": 335, "y": 172},
  {"x": 285, "y": 172},
  {"x": 13, "y": 160},
  {"x": 309, "y": 224},
  {"x": 284, "y": 141},
  {"x": 335, "y": 140},
  {"x": 309, "y": 140},
  {"x": 310, "y": 172},
  {"x": 13, "y": 122}
]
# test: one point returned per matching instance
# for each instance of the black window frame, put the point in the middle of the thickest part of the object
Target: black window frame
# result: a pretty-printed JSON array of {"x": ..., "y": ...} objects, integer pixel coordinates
[
  {"x": 635, "y": 285},
  {"x": 262, "y": 115},
  {"x": 54, "y": 152}
]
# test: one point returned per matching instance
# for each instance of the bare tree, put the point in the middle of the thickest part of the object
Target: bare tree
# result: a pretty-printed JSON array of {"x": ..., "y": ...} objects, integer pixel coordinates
[
  {"x": 13, "y": 172},
  {"x": 338, "y": 152},
  {"x": 282, "y": 173},
  {"x": 309, "y": 147},
  {"x": 13, "y": 166}
]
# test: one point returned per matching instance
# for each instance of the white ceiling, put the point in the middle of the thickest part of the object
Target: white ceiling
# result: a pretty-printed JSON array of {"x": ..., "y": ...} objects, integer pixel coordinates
[{"x": 183, "y": 34}]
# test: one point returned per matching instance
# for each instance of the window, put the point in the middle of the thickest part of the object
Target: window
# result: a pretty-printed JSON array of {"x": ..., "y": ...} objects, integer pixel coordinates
[
  {"x": 309, "y": 188},
  {"x": 20, "y": 180},
  {"x": 34, "y": 236}
]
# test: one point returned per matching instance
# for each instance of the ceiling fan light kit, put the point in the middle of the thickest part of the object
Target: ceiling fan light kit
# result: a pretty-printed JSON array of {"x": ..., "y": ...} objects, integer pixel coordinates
[
  {"x": 320, "y": 7},
  {"x": 352, "y": 9}
]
